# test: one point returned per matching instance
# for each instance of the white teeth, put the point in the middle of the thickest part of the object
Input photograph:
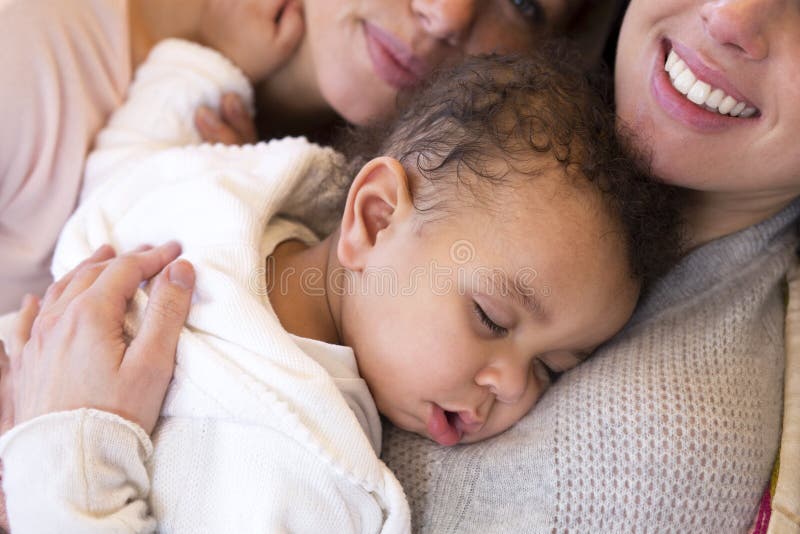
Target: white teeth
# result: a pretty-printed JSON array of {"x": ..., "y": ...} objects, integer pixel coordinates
[
  {"x": 684, "y": 81},
  {"x": 672, "y": 58},
  {"x": 727, "y": 104},
  {"x": 699, "y": 92},
  {"x": 715, "y": 98},
  {"x": 702, "y": 93},
  {"x": 676, "y": 69}
]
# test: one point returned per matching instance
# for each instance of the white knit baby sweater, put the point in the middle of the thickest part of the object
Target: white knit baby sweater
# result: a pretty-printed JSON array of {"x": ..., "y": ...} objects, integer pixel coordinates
[
  {"x": 254, "y": 434},
  {"x": 673, "y": 426}
]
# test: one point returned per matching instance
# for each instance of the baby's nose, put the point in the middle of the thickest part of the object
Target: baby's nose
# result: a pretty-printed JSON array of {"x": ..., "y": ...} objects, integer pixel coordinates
[{"x": 507, "y": 380}]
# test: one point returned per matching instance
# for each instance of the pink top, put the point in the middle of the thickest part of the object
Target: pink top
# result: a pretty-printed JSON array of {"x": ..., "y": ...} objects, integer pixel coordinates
[{"x": 65, "y": 66}]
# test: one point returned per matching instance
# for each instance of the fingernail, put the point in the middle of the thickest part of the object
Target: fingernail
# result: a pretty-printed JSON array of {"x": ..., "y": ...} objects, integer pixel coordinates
[
  {"x": 181, "y": 274},
  {"x": 236, "y": 106},
  {"x": 173, "y": 247},
  {"x": 99, "y": 250},
  {"x": 208, "y": 118}
]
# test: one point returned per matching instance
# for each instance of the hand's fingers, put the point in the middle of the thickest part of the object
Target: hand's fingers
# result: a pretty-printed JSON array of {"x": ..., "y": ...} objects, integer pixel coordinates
[
  {"x": 120, "y": 279},
  {"x": 238, "y": 118},
  {"x": 84, "y": 278},
  {"x": 166, "y": 313},
  {"x": 150, "y": 359},
  {"x": 291, "y": 27},
  {"x": 22, "y": 326},
  {"x": 212, "y": 129},
  {"x": 55, "y": 290},
  {"x": 207, "y": 122}
]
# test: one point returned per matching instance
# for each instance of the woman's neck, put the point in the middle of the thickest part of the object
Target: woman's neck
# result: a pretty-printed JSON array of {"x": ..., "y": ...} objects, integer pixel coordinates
[{"x": 713, "y": 215}]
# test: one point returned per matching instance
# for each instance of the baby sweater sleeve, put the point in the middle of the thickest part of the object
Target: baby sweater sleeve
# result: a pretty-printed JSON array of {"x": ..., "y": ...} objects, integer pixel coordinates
[
  {"x": 177, "y": 77},
  {"x": 77, "y": 471}
]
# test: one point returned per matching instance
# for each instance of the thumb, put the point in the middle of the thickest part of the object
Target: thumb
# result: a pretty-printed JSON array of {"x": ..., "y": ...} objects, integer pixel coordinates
[
  {"x": 291, "y": 27},
  {"x": 155, "y": 344}
]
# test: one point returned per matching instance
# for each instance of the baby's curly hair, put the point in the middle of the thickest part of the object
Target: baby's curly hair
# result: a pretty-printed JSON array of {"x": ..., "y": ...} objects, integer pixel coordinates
[{"x": 529, "y": 112}]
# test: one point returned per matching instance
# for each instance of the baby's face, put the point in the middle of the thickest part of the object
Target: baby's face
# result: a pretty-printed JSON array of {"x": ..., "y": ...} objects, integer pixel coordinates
[{"x": 457, "y": 326}]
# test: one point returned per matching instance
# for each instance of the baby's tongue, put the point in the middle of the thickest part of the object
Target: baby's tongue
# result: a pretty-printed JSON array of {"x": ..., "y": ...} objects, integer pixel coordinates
[{"x": 440, "y": 428}]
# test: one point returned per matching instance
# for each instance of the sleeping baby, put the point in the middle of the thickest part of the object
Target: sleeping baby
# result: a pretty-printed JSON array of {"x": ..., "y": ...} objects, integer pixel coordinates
[{"x": 492, "y": 236}]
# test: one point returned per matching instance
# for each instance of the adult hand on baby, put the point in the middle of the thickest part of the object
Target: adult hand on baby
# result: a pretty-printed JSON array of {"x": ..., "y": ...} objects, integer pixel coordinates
[
  {"x": 233, "y": 125},
  {"x": 70, "y": 351}
]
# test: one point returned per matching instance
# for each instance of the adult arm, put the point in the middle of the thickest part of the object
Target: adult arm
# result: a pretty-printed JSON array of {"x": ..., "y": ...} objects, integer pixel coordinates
[{"x": 75, "y": 462}]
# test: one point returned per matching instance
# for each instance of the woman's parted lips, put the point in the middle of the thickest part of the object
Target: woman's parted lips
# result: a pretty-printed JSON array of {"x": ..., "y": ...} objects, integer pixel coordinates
[{"x": 414, "y": 67}]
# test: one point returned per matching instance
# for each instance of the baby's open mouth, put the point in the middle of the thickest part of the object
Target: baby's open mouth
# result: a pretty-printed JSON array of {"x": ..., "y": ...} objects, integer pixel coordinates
[{"x": 443, "y": 427}]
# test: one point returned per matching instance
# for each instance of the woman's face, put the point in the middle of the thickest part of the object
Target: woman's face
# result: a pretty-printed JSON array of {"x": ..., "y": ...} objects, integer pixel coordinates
[
  {"x": 364, "y": 51},
  {"x": 725, "y": 118}
]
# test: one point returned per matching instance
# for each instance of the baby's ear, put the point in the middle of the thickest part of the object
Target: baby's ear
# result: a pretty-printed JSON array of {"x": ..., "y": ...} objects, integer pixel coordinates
[{"x": 378, "y": 197}]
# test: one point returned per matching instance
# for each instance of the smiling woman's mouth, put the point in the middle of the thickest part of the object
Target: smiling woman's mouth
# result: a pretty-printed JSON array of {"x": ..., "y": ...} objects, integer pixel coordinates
[{"x": 702, "y": 93}]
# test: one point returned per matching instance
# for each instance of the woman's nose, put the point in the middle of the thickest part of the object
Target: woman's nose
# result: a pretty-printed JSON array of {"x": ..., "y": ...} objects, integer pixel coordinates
[
  {"x": 446, "y": 20},
  {"x": 507, "y": 380},
  {"x": 742, "y": 25}
]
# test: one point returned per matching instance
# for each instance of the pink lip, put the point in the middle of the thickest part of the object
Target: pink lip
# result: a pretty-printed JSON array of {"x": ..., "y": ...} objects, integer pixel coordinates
[
  {"x": 443, "y": 430},
  {"x": 448, "y": 427},
  {"x": 393, "y": 60},
  {"x": 678, "y": 107}
]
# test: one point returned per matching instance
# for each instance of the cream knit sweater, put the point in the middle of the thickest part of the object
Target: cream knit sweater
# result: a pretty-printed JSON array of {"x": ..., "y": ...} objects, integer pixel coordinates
[
  {"x": 254, "y": 434},
  {"x": 673, "y": 426}
]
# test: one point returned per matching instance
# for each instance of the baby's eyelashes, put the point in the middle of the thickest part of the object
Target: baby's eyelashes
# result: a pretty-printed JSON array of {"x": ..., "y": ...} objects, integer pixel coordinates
[{"x": 491, "y": 326}]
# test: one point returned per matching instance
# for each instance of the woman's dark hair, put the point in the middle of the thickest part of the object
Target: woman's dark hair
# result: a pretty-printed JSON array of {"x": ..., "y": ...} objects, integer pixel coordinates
[{"x": 529, "y": 112}]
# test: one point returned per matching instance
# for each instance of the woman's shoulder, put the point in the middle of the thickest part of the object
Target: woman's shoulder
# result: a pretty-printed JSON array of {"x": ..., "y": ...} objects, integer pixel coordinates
[
  {"x": 37, "y": 17},
  {"x": 64, "y": 41}
]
